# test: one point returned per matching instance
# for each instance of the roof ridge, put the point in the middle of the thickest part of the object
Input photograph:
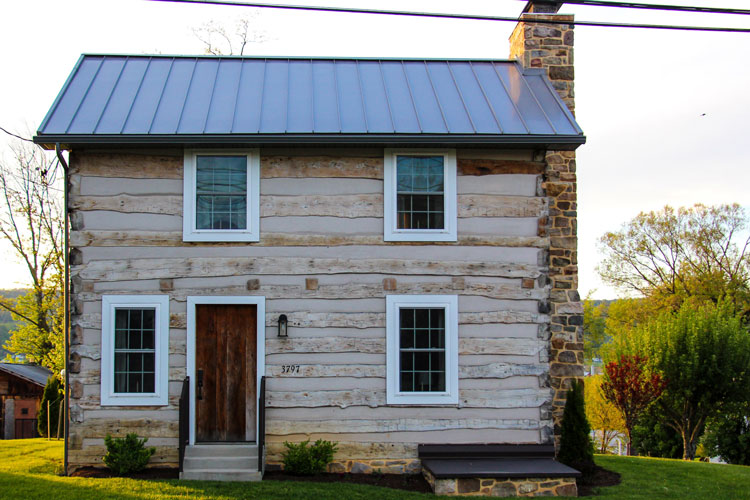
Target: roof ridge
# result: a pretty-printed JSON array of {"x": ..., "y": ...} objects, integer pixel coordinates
[{"x": 299, "y": 57}]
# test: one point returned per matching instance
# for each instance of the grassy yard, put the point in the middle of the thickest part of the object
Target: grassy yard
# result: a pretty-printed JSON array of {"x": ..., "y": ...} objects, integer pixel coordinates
[{"x": 28, "y": 471}]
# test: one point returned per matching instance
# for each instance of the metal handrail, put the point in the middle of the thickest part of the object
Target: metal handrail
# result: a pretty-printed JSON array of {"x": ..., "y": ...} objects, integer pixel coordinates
[
  {"x": 261, "y": 422},
  {"x": 184, "y": 419}
]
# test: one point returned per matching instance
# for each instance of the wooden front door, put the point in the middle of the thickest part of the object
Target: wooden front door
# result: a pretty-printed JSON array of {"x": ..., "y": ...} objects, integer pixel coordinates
[{"x": 225, "y": 372}]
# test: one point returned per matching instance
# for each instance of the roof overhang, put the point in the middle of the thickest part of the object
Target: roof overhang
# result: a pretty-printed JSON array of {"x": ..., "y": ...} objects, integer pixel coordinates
[{"x": 555, "y": 142}]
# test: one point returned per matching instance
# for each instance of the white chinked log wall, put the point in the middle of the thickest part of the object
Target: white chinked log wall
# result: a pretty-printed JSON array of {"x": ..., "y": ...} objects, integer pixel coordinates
[{"x": 322, "y": 219}]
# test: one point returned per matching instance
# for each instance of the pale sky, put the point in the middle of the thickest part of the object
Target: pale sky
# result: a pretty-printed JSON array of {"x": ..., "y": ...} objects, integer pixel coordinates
[{"x": 641, "y": 95}]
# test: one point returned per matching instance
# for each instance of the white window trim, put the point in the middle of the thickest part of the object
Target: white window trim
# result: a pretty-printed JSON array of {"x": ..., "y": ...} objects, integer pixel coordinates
[
  {"x": 189, "y": 231},
  {"x": 161, "y": 345},
  {"x": 391, "y": 231},
  {"x": 393, "y": 304}
]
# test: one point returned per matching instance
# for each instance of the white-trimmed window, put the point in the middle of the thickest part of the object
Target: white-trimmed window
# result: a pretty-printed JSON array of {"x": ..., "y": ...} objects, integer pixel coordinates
[
  {"x": 135, "y": 350},
  {"x": 422, "y": 349},
  {"x": 221, "y": 195},
  {"x": 420, "y": 195}
]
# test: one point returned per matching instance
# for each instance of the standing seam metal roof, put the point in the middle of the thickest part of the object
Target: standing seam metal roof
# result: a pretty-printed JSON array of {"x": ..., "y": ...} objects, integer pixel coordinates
[{"x": 168, "y": 98}]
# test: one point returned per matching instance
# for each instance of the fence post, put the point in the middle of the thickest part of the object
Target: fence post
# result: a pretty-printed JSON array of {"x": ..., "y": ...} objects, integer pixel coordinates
[
  {"x": 59, "y": 417},
  {"x": 48, "y": 420}
]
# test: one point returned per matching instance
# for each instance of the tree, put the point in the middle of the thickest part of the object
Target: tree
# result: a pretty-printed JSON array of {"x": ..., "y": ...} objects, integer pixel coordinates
[
  {"x": 653, "y": 437},
  {"x": 671, "y": 256},
  {"x": 594, "y": 328},
  {"x": 219, "y": 40},
  {"x": 630, "y": 389},
  {"x": 576, "y": 448},
  {"x": 728, "y": 434},
  {"x": 703, "y": 353},
  {"x": 53, "y": 394},
  {"x": 31, "y": 221},
  {"x": 601, "y": 414}
]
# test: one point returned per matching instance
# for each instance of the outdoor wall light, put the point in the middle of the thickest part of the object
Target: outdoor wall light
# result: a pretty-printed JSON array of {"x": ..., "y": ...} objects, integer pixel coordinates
[{"x": 282, "y": 326}]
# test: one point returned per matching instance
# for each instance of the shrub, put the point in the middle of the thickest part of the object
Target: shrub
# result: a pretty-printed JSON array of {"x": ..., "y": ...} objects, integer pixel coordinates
[
  {"x": 127, "y": 455},
  {"x": 53, "y": 393},
  {"x": 728, "y": 435},
  {"x": 307, "y": 459},
  {"x": 576, "y": 448}
]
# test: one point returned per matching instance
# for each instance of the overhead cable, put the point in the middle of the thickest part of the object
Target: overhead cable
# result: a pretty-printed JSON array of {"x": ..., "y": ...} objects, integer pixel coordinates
[
  {"x": 439, "y": 15},
  {"x": 650, "y": 6}
]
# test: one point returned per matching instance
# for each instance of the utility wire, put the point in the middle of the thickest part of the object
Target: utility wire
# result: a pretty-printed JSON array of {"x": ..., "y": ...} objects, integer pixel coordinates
[
  {"x": 454, "y": 16},
  {"x": 649, "y": 6},
  {"x": 16, "y": 136}
]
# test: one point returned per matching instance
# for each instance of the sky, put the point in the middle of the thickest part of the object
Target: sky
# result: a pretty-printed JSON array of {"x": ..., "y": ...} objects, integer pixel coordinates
[{"x": 665, "y": 112}]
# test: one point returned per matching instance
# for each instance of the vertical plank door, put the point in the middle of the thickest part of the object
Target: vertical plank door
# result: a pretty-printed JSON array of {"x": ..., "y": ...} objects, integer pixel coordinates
[{"x": 225, "y": 341}]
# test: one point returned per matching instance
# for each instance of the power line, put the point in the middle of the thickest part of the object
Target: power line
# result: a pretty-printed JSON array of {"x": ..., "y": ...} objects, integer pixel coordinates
[
  {"x": 16, "y": 136},
  {"x": 440, "y": 15},
  {"x": 650, "y": 6}
]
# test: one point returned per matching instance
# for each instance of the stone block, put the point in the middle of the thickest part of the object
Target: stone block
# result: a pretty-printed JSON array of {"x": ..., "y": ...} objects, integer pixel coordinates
[
  {"x": 468, "y": 485},
  {"x": 504, "y": 489},
  {"x": 444, "y": 486}
]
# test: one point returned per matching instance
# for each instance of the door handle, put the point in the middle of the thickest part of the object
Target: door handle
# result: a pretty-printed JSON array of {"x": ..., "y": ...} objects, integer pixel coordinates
[{"x": 200, "y": 384}]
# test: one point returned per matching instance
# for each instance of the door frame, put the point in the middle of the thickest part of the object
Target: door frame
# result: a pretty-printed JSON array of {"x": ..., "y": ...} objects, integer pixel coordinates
[{"x": 260, "y": 338}]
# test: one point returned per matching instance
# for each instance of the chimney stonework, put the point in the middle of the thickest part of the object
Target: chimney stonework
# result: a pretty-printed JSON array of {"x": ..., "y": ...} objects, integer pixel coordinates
[{"x": 550, "y": 47}]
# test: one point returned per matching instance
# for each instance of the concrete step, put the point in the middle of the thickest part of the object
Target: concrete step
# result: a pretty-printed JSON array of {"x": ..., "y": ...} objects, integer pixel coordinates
[
  {"x": 220, "y": 463},
  {"x": 225, "y": 475},
  {"x": 222, "y": 450}
]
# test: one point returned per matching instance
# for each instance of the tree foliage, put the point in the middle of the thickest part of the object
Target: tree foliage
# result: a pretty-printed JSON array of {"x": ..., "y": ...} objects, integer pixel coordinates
[
  {"x": 52, "y": 396},
  {"x": 594, "y": 328},
  {"x": 31, "y": 221},
  {"x": 576, "y": 448},
  {"x": 703, "y": 353},
  {"x": 630, "y": 389},
  {"x": 653, "y": 437},
  {"x": 694, "y": 254},
  {"x": 601, "y": 414},
  {"x": 728, "y": 434}
]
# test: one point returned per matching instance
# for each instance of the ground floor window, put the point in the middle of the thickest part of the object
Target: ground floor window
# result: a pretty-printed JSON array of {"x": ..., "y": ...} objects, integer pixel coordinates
[
  {"x": 422, "y": 349},
  {"x": 135, "y": 343}
]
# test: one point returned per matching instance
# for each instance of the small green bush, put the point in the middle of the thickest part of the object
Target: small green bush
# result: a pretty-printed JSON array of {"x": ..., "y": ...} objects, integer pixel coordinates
[
  {"x": 306, "y": 459},
  {"x": 53, "y": 393},
  {"x": 576, "y": 448},
  {"x": 127, "y": 455}
]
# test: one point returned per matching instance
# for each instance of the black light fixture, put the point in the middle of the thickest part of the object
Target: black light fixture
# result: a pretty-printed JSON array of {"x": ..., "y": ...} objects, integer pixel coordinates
[{"x": 282, "y": 326}]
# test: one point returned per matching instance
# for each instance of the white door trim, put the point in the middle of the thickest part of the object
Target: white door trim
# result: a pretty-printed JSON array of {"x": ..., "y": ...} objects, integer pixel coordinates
[{"x": 260, "y": 303}]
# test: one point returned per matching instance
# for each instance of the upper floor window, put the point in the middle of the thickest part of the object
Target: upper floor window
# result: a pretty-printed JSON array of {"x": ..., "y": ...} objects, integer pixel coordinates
[
  {"x": 221, "y": 196},
  {"x": 420, "y": 195}
]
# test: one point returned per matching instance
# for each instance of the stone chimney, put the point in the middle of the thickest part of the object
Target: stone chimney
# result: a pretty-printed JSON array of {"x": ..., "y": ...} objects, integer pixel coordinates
[{"x": 550, "y": 47}]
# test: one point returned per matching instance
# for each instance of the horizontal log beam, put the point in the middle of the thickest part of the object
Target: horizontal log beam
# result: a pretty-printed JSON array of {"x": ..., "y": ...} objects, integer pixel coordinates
[{"x": 101, "y": 238}]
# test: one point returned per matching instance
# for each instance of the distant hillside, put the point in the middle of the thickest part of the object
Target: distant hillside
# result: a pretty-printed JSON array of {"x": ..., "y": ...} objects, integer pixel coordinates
[{"x": 6, "y": 321}]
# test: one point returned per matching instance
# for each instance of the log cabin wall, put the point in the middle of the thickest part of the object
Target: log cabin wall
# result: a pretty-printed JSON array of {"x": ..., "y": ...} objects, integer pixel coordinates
[{"x": 322, "y": 261}]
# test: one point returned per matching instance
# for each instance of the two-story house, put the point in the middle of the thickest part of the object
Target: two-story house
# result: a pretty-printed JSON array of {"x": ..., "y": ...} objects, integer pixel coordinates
[{"x": 388, "y": 243}]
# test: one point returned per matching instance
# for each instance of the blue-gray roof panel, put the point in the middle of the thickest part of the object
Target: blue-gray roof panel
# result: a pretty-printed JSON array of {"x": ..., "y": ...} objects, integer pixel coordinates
[{"x": 169, "y": 96}]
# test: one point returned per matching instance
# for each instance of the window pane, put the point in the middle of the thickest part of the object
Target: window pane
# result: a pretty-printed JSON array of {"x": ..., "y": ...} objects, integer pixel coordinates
[
  {"x": 148, "y": 382},
  {"x": 121, "y": 382},
  {"x": 422, "y": 349},
  {"x": 221, "y": 192},
  {"x": 121, "y": 318},
  {"x": 134, "y": 352}
]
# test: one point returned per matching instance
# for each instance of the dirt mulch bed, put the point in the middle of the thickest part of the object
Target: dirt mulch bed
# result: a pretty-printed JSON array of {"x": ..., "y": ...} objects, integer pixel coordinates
[
  {"x": 152, "y": 473},
  {"x": 409, "y": 482},
  {"x": 600, "y": 477}
]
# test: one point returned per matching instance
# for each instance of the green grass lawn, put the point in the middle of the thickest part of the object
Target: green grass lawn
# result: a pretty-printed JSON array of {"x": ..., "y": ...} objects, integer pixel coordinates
[{"x": 28, "y": 471}]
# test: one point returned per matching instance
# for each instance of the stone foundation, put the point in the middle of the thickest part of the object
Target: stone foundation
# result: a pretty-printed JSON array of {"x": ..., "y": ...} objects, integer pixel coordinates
[
  {"x": 406, "y": 466},
  {"x": 502, "y": 487}
]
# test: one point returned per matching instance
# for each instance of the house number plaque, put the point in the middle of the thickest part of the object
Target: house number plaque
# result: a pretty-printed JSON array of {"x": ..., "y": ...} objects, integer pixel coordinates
[{"x": 290, "y": 369}]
